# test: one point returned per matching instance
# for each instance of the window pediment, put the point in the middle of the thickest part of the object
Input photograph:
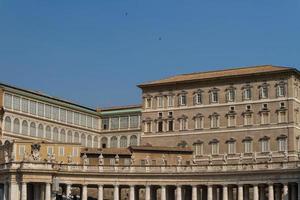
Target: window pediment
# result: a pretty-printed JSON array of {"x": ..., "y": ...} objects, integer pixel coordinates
[
  {"x": 214, "y": 89},
  {"x": 214, "y": 141},
  {"x": 198, "y": 142},
  {"x": 231, "y": 140},
  {"x": 247, "y": 138},
  {"x": 281, "y": 137},
  {"x": 214, "y": 115},
  {"x": 264, "y": 138},
  {"x": 182, "y": 117},
  {"x": 199, "y": 91}
]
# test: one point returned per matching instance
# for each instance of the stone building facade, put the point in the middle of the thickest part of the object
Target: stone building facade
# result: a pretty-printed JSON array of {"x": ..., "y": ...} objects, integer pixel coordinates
[{"x": 229, "y": 134}]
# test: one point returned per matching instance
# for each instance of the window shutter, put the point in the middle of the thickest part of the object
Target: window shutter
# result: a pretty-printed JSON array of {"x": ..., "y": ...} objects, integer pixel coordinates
[
  {"x": 210, "y": 96},
  {"x": 267, "y": 92},
  {"x": 283, "y": 90},
  {"x": 250, "y": 94},
  {"x": 179, "y": 98},
  {"x": 195, "y": 99},
  {"x": 260, "y": 92}
]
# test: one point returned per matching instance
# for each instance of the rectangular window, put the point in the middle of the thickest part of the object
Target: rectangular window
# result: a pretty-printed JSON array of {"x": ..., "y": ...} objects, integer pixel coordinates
[
  {"x": 215, "y": 148},
  {"x": 247, "y": 119},
  {"x": 160, "y": 126},
  {"x": 170, "y": 101},
  {"x": 214, "y": 122},
  {"x": 248, "y": 146},
  {"x": 247, "y": 94},
  {"x": 198, "y": 99},
  {"x": 21, "y": 150},
  {"x": 214, "y": 97},
  {"x": 265, "y": 118},
  {"x": 148, "y": 127},
  {"x": 160, "y": 101},
  {"x": 63, "y": 115},
  {"x": 105, "y": 123},
  {"x": 264, "y": 146},
  {"x": 76, "y": 118},
  {"x": 82, "y": 120},
  {"x": 199, "y": 123},
  {"x": 148, "y": 102},
  {"x": 134, "y": 121},
  {"x": 282, "y": 144},
  {"x": 182, "y": 100},
  {"x": 32, "y": 107},
  {"x": 55, "y": 113},
  {"x": 198, "y": 149},
  {"x": 231, "y": 95},
  {"x": 170, "y": 125},
  {"x": 183, "y": 124},
  {"x": 50, "y": 150},
  {"x": 75, "y": 151},
  {"x": 95, "y": 123},
  {"x": 8, "y": 101},
  {"x": 114, "y": 123},
  {"x": 70, "y": 117},
  {"x": 280, "y": 90},
  {"x": 48, "y": 111},
  {"x": 17, "y": 103},
  {"x": 24, "y": 107},
  {"x": 281, "y": 117},
  {"x": 41, "y": 109},
  {"x": 231, "y": 120},
  {"x": 124, "y": 122},
  {"x": 264, "y": 92},
  {"x": 61, "y": 151},
  {"x": 89, "y": 121},
  {"x": 231, "y": 147},
  {"x": 112, "y": 161}
]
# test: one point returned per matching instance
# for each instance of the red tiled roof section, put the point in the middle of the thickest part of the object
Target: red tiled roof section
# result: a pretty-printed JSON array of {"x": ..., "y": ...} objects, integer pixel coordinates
[{"x": 218, "y": 74}]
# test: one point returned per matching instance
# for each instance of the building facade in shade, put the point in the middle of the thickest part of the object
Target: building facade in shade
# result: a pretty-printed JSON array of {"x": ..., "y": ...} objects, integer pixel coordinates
[{"x": 229, "y": 134}]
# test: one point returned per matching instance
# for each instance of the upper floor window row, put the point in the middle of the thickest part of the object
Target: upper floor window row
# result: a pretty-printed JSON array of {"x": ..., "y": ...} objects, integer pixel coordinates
[
  {"x": 50, "y": 112},
  {"x": 121, "y": 122},
  {"x": 214, "y": 95}
]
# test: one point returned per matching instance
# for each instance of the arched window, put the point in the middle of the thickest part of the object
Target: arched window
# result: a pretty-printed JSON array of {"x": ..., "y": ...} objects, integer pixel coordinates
[
  {"x": 16, "y": 125},
  {"x": 55, "y": 134},
  {"x": 48, "y": 132},
  {"x": 25, "y": 127},
  {"x": 114, "y": 141},
  {"x": 104, "y": 142},
  {"x": 41, "y": 131},
  {"x": 83, "y": 139},
  {"x": 133, "y": 140},
  {"x": 89, "y": 141},
  {"x": 62, "y": 135},
  {"x": 7, "y": 125},
  {"x": 123, "y": 141},
  {"x": 95, "y": 142},
  {"x": 76, "y": 137},
  {"x": 32, "y": 129},
  {"x": 69, "y": 136}
]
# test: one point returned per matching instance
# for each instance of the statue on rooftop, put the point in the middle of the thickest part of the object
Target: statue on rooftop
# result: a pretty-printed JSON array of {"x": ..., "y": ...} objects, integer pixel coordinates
[{"x": 101, "y": 159}]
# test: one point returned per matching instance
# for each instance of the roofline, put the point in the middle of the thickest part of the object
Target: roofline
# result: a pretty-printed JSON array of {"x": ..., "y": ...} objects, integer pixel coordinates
[
  {"x": 149, "y": 84},
  {"x": 120, "y": 107},
  {"x": 5, "y": 86}
]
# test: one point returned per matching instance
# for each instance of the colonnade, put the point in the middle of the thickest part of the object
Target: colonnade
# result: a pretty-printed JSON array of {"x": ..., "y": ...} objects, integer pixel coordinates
[{"x": 271, "y": 191}]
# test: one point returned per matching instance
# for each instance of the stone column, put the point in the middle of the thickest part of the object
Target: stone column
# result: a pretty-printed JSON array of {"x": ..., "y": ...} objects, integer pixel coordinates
[
  {"x": 48, "y": 191},
  {"x": 209, "y": 192},
  {"x": 24, "y": 191},
  {"x": 298, "y": 190},
  {"x": 163, "y": 193},
  {"x": 5, "y": 191},
  {"x": 116, "y": 192},
  {"x": 68, "y": 190},
  {"x": 178, "y": 192},
  {"x": 100, "y": 192},
  {"x": 240, "y": 192},
  {"x": 225, "y": 192},
  {"x": 13, "y": 191},
  {"x": 271, "y": 192},
  {"x": 148, "y": 191},
  {"x": 194, "y": 192},
  {"x": 84, "y": 192},
  {"x": 132, "y": 193},
  {"x": 255, "y": 192},
  {"x": 285, "y": 195}
]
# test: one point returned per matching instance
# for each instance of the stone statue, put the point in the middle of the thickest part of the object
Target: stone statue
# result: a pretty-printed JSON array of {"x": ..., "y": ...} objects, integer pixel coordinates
[
  {"x": 225, "y": 157},
  {"x": 163, "y": 159},
  {"x": 241, "y": 158},
  {"x": 132, "y": 160},
  {"x": 6, "y": 157},
  {"x": 52, "y": 158},
  {"x": 117, "y": 159},
  {"x": 70, "y": 159},
  {"x": 254, "y": 157},
  {"x": 35, "y": 152},
  {"x": 101, "y": 159},
  {"x": 210, "y": 159},
  {"x": 85, "y": 159},
  {"x": 270, "y": 159},
  {"x": 147, "y": 160},
  {"x": 194, "y": 159},
  {"x": 286, "y": 156},
  {"x": 179, "y": 160}
]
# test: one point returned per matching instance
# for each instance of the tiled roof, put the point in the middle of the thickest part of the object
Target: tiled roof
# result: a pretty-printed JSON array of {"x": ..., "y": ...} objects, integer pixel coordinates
[
  {"x": 218, "y": 74},
  {"x": 106, "y": 151}
]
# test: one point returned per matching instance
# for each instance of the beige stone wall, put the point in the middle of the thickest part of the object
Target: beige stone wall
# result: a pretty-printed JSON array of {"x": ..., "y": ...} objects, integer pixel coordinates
[{"x": 223, "y": 133}]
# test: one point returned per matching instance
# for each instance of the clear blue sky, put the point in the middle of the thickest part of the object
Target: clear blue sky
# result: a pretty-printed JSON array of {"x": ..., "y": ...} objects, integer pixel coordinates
[{"x": 94, "y": 52}]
